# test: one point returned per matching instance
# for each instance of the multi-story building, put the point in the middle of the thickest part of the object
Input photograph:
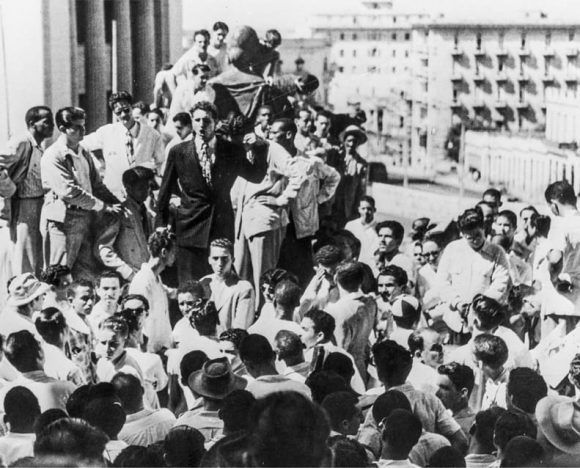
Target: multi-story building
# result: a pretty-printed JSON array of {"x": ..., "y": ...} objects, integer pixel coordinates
[
  {"x": 494, "y": 74},
  {"x": 371, "y": 61},
  {"x": 60, "y": 53},
  {"x": 563, "y": 117}
]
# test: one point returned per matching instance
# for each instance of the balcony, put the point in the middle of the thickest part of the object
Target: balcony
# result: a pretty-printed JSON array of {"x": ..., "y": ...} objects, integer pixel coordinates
[
  {"x": 524, "y": 52},
  {"x": 572, "y": 52},
  {"x": 456, "y": 105},
  {"x": 500, "y": 104},
  {"x": 479, "y": 54},
  {"x": 456, "y": 78},
  {"x": 571, "y": 77},
  {"x": 478, "y": 78},
  {"x": 523, "y": 105},
  {"x": 501, "y": 53},
  {"x": 478, "y": 104},
  {"x": 456, "y": 52},
  {"x": 523, "y": 78},
  {"x": 548, "y": 78},
  {"x": 549, "y": 52},
  {"x": 501, "y": 77}
]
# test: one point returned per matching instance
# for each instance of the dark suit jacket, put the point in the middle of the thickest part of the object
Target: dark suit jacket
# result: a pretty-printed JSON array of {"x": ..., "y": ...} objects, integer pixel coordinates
[{"x": 206, "y": 212}]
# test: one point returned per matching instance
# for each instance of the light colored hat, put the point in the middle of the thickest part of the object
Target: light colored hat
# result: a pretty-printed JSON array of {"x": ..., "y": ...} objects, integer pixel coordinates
[
  {"x": 359, "y": 133},
  {"x": 215, "y": 380},
  {"x": 406, "y": 306},
  {"x": 559, "y": 419},
  {"x": 24, "y": 289}
]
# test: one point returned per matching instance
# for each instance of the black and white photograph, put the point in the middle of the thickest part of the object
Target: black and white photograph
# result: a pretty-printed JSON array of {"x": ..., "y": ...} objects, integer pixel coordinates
[{"x": 290, "y": 233}]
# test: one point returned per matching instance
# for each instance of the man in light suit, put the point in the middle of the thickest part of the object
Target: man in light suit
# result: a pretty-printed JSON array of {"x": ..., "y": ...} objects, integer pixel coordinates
[
  {"x": 75, "y": 193},
  {"x": 122, "y": 242},
  {"x": 202, "y": 172}
]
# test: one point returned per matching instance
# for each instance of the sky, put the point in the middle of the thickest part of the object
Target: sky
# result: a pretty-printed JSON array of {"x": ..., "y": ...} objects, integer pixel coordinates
[{"x": 292, "y": 16}]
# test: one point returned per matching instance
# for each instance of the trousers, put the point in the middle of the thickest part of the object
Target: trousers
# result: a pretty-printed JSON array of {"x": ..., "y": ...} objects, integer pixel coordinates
[
  {"x": 27, "y": 240},
  {"x": 192, "y": 263}
]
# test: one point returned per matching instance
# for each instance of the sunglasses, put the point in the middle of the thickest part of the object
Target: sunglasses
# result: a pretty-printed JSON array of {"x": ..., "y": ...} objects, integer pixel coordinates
[{"x": 137, "y": 311}]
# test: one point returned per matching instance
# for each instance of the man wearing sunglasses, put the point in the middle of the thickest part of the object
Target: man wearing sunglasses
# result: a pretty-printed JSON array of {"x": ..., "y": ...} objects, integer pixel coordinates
[{"x": 125, "y": 143}]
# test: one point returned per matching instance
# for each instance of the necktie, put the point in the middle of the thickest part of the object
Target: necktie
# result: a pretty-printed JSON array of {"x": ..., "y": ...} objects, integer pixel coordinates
[
  {"x": 130, "y": 148},
  {"x": 144, "y": 220},
  {"x": 205, "y": 162}
]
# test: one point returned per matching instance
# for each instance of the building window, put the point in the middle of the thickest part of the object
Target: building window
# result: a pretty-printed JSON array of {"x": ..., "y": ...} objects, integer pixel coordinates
[
  {"x": 478, "y": 41},
  {"x": 401, "y": 121},
  {"x": 374, "y": 52},
  {"x": 341, "y": 53},
  {"x": 500, "y": 39},
  {"x": 456, "y": 39},
  {"x": 407, "y": 53},
  {"x": 340, "y": 69},
  {"x": 354, "y": 36},
  {"x": 523, "y": 40},
  {"x": 394, "y": 70},
  {"x": 394, "y": 53},
  {"x": 354, "y": 53},
  {"x": 394, "y": 36},
  {"x": 407, "y": 36},
  {"x": 394, "y": 19},
  {"x": 548, "y": 39},
  {"x": 341, "y": 36},
  {"x": 571, "y": 35}
]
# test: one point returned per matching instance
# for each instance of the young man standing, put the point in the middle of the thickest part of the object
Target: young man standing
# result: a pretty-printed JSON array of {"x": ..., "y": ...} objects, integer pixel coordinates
[
  {"x": 233, "y": 297},
  {"x": 109, "y": 292},
  {"x": 21, "y": 163},
  {"x": 364, "y": 228},
  {"x": 390, "y": 237},
  {"x": 218, "y": 47},
  {"x": 454, "y": 386},
  {"x": 190, "y": 91},
  {"x": 76, "y": 193}
]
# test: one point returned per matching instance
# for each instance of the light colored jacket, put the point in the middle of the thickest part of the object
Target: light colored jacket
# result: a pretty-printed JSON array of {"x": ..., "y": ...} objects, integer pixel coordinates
[{"x": 315, "y": 183}]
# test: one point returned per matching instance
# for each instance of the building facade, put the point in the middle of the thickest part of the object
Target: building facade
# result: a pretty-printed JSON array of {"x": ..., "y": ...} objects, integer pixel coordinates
[
  {"x": 494, "y": 75},
  {"x": 563, "y": 117},
  {"x": 60, "y": 53}
]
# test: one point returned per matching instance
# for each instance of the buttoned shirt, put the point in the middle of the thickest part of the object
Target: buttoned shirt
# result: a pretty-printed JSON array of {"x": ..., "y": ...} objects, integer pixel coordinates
[
  {"x": 147, "y": 427},
  {"x": 463, "y": 272},
  {"x": 31, "y": 185},
  {"x": 112, "y": 140}
]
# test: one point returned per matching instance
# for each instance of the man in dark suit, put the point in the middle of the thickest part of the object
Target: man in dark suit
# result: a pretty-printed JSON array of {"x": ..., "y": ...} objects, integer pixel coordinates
[{"x": 202, "y": 171}]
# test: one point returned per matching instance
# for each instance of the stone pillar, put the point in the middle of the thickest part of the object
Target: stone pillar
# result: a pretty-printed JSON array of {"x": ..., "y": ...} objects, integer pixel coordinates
[
  {"x": 143, "y": 49},
  {"x": 95, "y": 64},
  {"x": 122, "y": 14}
]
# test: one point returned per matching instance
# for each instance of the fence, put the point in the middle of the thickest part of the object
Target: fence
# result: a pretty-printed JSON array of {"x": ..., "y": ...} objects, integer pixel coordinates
[{"x": 524, "y": 166}]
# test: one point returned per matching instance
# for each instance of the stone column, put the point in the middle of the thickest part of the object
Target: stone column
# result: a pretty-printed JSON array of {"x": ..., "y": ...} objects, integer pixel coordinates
[
  {"x": 143, "y": 49},
  {"x": 122, "y": 14},
  {"x": 95, "y": 64}
]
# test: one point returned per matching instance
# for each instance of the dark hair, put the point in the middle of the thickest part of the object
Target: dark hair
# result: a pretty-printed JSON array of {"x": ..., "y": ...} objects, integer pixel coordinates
[
  {"x": 235, "y": 410},
  {"x": 386, "y": 403},
  {"x": 447, "y": 457},
  {"x": 193, "y": 287},
  {"x": 347, "y": 452},
  {"x": 396, "y": 228},
  {"x": 322, "y": 322},
  {"x": 234, "y": 335},
  {"x": 256, "y": 349},
  {"x": 21, "y": 408},
  {"x": 289, "y": 344},
  {"x": 529, "y": 208},
  {"x": 561, "y": 192},
  {"x": 130, "y": 391},
  {"x": 220, "y": 25},
  {"x": 183, "y": 118},
  {"x": 77, "y": 400},
  {"x": 136, "y": 297},
  {"x": 190, "y": 363},
  {"x": 119, "y": 97},
  {"x": 65, "y": 116},
  {"x": 48, "y": 417},
  {"x": 522, "y": 451},
  {"x": 488, "y": 311},
  {"x": 526, "y": 387},
  {"x": 484, "y": 425},
  {"x": 199, "y": 68},
  {"x": 491, "y": 350},
  {"x": 402, "y": 430},
  {"x": 274, "y": 36},
  {"x": 339, "y": 406},
  {"x": 343, "y": 237},
  {"x": 370, "y": 200},
  {"x": 206, "y": 318},
  {"x": 34, "y": 114},
  {"x": 512, "y": 424},
  {"x": 574, "y": 373},
  {"x": 116, "y": 324},
  {"x": 201, "y": 32},
  {"x": 144, "y": 108},
  {"x": 22, "y": 350},
  {"x": 135, "y": 455},
  {"x": 223, "y": 243},
  {"x": 341, "y": 364},
  {"x": 287, "y": 295},
  {"x": 71, "y": 437},
  {"x": 52, "y": 274},
  {"x": 328, "y": 255},
  {"x": 50, "y": 324},
  {"x": 286, "y": 125},
  {"x": 396, "y": 272},
  {"x": 495, "y": 193},
  {"x": 110, "y": 274},
  {"x": 158, "y": 113},
  {"x": 275, "y": 275},
  {"x": 510, "y": 216},
  {"x": 471, "y": 219},
  {"x": 299, "y": 441},
  {"x": 392, "y": 361},
  {"x": 183, "y": 446},
  {"x": 350, "y": 276},
  {"x": 205, "y": 106},
  {"x": 460, "y": 375},
  {"x": 106, "y": 415},
  {"x": 80, "y": 283},
  {"x": 323, "y": 383},
  {"x": 159, "y": 240},
  {"x": 543, "y": 224}
]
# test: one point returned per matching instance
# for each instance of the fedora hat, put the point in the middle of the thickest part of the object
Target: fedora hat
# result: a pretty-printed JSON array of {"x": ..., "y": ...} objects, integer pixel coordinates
[
  {"x": 559, "y": 419},
  {"x": 215, "y": 380},
  {"x": 24, "y": 289},
  {"x": 359, "y": 133}
]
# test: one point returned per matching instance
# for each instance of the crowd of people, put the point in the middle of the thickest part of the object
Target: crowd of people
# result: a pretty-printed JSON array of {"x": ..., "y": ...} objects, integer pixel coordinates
[{"x": 204, "y": 282}]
